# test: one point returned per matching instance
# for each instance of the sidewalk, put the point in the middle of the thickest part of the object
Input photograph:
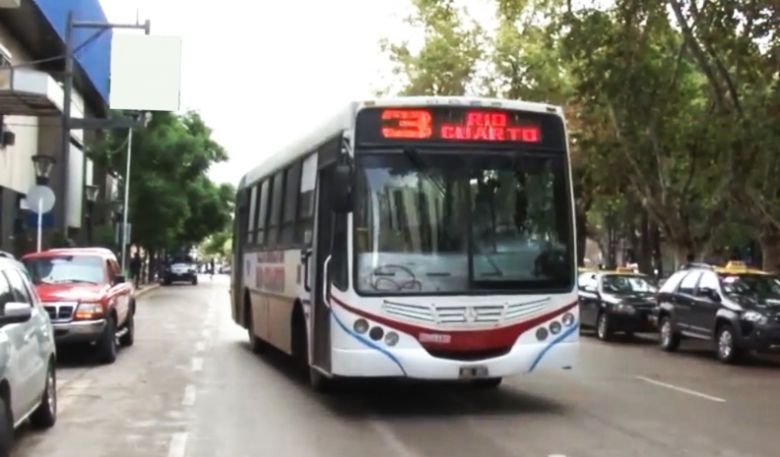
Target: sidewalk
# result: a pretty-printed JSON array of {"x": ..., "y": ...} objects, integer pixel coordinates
[{"x": 146, "y": 289}]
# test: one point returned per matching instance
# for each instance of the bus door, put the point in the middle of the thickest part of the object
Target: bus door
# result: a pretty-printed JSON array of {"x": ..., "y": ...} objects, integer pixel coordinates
[{"x": 322, "y": 253}]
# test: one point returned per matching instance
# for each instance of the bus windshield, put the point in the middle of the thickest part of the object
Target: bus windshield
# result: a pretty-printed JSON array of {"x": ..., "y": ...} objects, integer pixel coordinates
[{"x": 434, "y": 222}]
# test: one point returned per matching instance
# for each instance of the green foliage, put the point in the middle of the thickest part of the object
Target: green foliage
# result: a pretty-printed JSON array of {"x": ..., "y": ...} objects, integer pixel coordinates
[
  {"x": 671, "y": 106},
  {"x": 446, "y": 63},
  {"x": 172, "y": 201}
]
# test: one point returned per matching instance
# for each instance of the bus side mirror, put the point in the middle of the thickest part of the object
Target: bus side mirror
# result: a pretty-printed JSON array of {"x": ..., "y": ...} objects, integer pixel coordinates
[{"x": 342, "y": 186}]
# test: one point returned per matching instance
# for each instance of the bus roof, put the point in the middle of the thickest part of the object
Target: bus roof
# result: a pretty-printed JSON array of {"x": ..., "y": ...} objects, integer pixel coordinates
[{"x": 344, "y": 119}]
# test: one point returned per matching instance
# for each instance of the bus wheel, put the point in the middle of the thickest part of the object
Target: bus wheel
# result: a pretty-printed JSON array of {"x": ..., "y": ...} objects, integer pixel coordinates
[{"x": 255, "y": 343}]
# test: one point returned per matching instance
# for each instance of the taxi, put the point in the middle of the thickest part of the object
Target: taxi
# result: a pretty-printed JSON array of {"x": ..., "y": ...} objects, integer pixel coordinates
[
  {"x": 734, "y": 306},
  {"x": 619, "y": 301}
]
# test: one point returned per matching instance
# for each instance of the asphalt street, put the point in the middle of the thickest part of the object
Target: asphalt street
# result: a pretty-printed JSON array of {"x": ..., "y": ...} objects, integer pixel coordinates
[{"x": 190, "y": 387}]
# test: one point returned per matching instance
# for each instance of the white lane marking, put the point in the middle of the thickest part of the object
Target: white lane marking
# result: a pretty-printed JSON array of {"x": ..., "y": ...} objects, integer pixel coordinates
[
  {"x": 682, "y": 390},
  {"x": 189, "y": 395},
  {"x": 556, "y": 455},
  {"x": 200, "y": 346},
  {"x": 197, "y": 363},
  {"x": 177, "y": 445}
]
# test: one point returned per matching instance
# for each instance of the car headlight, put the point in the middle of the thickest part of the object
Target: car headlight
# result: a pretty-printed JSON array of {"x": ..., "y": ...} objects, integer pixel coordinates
[
  {"x": 624, "y": 308},
  {"x": 754, "y": 316},
  {"x": 88, "y": 311}
]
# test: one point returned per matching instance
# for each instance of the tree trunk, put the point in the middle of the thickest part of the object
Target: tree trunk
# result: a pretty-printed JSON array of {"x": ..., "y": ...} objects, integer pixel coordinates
[
  {"x": 770, "y": 248},
  {"x": 645, "y": 246},
  {"x": 581, "y": 221}
]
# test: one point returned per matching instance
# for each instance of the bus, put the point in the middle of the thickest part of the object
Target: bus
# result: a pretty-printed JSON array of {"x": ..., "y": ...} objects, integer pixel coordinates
[{"x": 426, "y": 238}]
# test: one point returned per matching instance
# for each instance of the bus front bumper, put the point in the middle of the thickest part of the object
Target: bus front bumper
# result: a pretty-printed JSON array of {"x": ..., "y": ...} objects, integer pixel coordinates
[{"x": 356, "y": 355}]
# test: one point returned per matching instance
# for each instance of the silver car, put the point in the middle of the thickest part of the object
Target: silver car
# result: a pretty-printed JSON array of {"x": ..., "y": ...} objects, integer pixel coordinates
[{"x": 28, "y": 388}]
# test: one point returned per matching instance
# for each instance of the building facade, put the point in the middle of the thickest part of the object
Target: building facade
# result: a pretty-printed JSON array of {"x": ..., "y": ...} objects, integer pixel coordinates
[{"x": 32, "y": 64}]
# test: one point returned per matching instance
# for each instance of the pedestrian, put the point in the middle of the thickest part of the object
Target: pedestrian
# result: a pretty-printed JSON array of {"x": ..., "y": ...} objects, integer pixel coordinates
[
  {"x": 211, "y": 268},
  {"x": 135, "y": 268}
]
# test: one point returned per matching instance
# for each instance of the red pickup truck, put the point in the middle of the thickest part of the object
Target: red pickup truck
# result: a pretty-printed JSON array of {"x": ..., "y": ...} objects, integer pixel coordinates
[{"x": 86, "y": 297}]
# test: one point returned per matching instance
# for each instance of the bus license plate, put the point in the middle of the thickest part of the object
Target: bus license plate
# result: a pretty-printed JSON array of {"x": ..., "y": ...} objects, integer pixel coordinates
[{"x": 470, "y": 372}]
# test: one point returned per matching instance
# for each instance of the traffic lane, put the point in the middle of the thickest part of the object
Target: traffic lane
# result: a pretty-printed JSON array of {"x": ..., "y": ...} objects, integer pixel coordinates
[
  {"x": 250, "y": 405},
  {"x": 723, "y": 408},
  {"x": 134, "y": 406}
]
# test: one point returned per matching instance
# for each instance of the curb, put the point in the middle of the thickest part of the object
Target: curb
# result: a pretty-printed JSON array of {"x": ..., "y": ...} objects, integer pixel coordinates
[{"x": 147, "y": 289}]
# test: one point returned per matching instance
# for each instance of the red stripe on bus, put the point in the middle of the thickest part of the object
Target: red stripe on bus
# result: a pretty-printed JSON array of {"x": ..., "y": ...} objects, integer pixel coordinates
[{"x": 462, "y": 340}]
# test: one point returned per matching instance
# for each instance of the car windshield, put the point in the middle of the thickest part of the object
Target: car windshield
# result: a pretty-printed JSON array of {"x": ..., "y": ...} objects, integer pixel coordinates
[
  {"x": 461, "y": 222},
  {"x": 66, "y": 269},
  {"x": 626, "y": 284},
  {"x": 750, "y": 284}
]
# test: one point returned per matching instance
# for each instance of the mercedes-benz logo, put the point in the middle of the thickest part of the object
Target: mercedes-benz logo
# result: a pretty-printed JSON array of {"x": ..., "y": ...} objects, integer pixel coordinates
[{"x": 471, "y": 315}]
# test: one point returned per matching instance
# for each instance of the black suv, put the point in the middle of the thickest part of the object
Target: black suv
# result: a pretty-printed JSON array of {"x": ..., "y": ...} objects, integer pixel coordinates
[
  {"x": 616, "y": 301},
  {"x": 735, "y": 307}
]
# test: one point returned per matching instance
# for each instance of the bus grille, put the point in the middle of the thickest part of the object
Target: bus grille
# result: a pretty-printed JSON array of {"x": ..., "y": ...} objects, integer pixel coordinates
[{"x": 488, "y": 314}]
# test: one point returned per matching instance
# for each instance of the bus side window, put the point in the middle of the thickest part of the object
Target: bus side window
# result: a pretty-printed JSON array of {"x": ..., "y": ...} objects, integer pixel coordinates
[
  {"x": 277, "y": 198},
  {"x": 252, "y": 215},
  {"x": 293, "y": 183},
  {"x": 262, "y": 213},
  {"x": 306, "y": 200}
]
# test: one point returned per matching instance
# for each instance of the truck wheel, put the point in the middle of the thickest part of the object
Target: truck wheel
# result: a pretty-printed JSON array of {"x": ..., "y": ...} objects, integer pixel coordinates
[
  {"x": 128, "y": 338},
  {"x": 46, "y": 414},
  {"x": 6, "y": 429},
  {"x": 106, "y": 345}
]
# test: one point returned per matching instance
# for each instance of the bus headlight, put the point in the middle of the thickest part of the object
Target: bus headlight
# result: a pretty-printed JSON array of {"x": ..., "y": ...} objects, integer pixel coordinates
[
  {"x": 541, "y": 334},
  {"x": 555, "y": 327},
  {"x": 391, "y": 339},
  {"x": 568, "y": 319},
  {"x": 361, "y": 326},
  {"x": 376, "y": 333}
]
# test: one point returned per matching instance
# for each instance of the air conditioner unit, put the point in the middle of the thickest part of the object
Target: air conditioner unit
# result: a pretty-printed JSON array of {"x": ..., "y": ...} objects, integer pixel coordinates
[{"x": 10, "y": 3}]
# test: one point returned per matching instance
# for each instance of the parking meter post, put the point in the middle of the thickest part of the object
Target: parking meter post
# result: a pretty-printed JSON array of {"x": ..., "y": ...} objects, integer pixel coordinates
[{"x": 40, "y": 223}]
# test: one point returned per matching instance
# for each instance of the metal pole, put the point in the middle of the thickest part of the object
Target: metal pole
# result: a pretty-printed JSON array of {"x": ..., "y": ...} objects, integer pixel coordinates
[
  {"x": 67, "y": 86},
  {"x": 127, "y": 199},
  {"x": 40, "y": 223}
]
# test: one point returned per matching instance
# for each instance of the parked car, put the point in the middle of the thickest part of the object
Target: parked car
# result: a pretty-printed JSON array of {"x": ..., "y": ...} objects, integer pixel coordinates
[
  {"x": 735, "y": 307},
  {"x": 86, "y": 297},
  {"x": 616, "y": 301},
  {"x": 27, "y": 356},
  {"x": 180, "y": 270}
]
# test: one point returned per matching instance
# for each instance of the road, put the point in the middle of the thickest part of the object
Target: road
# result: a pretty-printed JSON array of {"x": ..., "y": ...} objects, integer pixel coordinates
[{"x": 190, "y": 387}]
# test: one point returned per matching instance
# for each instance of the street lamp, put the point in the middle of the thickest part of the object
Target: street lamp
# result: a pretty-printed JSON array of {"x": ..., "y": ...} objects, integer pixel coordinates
[
  {"x": 91, "y": 191},
  {"x": 43, "y": 165}
]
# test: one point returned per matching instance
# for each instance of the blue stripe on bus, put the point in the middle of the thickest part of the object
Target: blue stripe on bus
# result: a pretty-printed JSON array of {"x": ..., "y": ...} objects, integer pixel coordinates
[
  {"x": 368, "y": 343},
  {"x": 552, "y": 343}
]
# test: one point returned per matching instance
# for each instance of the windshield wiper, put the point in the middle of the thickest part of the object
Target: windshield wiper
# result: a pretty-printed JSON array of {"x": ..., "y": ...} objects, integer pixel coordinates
[{"x": 496, "y": 270}]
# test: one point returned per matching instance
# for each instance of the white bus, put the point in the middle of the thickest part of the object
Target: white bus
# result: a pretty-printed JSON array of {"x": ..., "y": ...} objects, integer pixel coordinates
[{"x": 425, "y": 238}]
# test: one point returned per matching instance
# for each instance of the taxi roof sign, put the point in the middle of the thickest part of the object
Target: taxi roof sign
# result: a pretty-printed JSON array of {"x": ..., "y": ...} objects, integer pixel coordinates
[
  {"x": 736, "y": 265},
  {"x": 625, "y": 270}
]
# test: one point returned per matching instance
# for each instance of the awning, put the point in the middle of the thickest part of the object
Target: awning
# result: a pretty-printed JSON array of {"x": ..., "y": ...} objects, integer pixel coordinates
[{"x": 25, "y": 92}]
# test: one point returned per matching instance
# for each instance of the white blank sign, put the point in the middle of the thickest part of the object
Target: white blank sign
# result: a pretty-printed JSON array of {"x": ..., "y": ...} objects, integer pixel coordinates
[{"x": 145, "y": 72}]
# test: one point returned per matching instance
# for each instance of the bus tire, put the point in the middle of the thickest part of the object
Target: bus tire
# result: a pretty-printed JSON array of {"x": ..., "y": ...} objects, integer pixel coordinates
[{"x": 255, "y": 344}]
